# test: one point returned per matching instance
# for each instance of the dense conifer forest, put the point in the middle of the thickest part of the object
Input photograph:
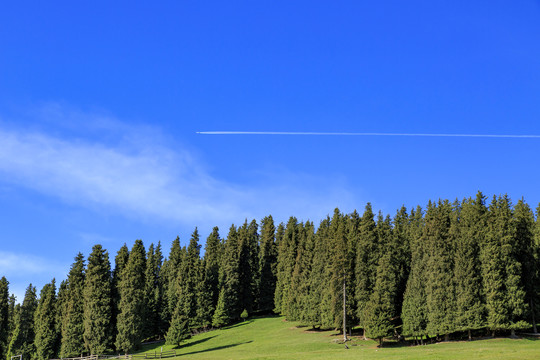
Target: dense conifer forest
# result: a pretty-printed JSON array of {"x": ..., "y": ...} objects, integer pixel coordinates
[{"x": 454, "y": 269}]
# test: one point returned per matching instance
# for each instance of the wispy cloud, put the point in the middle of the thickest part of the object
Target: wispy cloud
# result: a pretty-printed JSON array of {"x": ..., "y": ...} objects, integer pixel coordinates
[
  {"x": 511, "y": 136},
  {"x": 17, "y": 267},
  {"x": 137, "y": 175}
]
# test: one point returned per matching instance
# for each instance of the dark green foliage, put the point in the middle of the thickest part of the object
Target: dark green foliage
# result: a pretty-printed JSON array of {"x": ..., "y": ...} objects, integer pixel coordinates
[
  {"x": 267, "y": 265},
  {"x": 22, "y": 339},
  {"x": 285, "y": 265},
  {"x": 130, "y": 321},
  {"x": 367, "y": 258},
  {"x": 188, "y": 278},
  {"x": 501, "y": 270},
  {"x": 13, "y": 313},
  {"x": 97, "y": 302},
  {"x": 4, "y": 316},
  {"x": 414, "y": 311},
  {"x": 153, "y": 293},
  {"x": 470, "y": 308},
  {"x": 382, "y": 305},
  {"x": 228, "y": 306},
  {"x": 46, "y": 336},
  {"x": 524, "y": 248},
  {"x": 179, "y": 329},
  {"x": 72, "y": 305},
  {"x": 120, "y": 262},
  {"x": 170, "y": 270},
  {"x": 208, "y": 289},
  {"x": 296, "y": 305},
  {"x": 248, "y": 265},
  {"x": 440, "y": 292}
]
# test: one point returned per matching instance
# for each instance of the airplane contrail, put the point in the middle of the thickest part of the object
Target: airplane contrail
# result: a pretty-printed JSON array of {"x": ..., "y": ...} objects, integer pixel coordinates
[{"x": 514, "y": 136}]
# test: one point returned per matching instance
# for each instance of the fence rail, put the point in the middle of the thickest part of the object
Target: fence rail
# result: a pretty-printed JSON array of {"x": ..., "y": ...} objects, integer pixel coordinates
[{"x": 146, "y": 355}]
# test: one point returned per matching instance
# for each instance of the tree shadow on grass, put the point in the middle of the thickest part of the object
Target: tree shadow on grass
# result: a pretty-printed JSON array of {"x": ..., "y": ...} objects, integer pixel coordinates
[
  {"x": 215, "y": 348},
  {"x": 237, "y": 325},
  {"x": 196, "y": 342}
]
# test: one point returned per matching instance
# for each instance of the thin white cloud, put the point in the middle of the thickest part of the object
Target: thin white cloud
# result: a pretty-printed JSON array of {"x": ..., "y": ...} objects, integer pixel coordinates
[
  {"x": 17, "y": 268},
  {"x": 139, "y": 176},
  {"x": 513, "y": 136}
]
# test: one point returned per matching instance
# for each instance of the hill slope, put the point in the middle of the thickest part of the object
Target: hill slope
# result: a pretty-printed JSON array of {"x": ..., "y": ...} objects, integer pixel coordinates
[{"x": 274, "y": 338}]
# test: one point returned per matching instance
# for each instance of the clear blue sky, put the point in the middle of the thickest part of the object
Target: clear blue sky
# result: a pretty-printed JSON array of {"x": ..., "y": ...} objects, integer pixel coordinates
[{"x": 100, "y": 103}]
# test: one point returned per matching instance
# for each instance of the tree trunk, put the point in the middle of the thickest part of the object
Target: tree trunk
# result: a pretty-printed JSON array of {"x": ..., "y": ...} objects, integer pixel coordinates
[
  {"x": 446, "y": 337},
  {"x": 533, "y": 317},
  {"x": 364, "y": 333},
  {"x": 513, "y": 333},
  {"x": 344, "y": 312},
  {"x": 470, "y": 336}
]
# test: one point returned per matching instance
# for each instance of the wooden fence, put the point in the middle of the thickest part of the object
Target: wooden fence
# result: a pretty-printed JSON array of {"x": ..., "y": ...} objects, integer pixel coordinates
[{"x": 146, "y": 355}]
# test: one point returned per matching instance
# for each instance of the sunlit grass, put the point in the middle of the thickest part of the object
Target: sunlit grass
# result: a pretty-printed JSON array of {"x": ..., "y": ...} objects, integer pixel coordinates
[{"x": 274, "y": 338}]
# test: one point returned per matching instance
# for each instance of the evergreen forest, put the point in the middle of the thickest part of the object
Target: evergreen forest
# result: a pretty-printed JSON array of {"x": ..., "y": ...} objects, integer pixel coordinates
[{"x": 451, "y": 270}]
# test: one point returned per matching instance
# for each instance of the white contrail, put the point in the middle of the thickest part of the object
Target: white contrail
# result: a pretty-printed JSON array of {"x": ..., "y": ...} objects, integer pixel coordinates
[{"x": 363, "y": 134}]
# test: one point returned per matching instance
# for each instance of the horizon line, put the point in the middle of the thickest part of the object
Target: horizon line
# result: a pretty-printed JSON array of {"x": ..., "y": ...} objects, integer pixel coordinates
[{"x": 365, "y": 134}]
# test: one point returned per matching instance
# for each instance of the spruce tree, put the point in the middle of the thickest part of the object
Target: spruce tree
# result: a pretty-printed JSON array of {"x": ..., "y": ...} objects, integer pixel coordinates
[
  {"x": 414, "y": 311},
  {"x": 188, "y": 279},
  {"x": 170, "y": 272},
  {"x": 317, "y": 281},
  {"x": 440, "y": 292},
  {"x": 470, "y": 308},
  {"x": 130, "y": 321},
  {"x": 501, "y": 270},
  {"x": 267, "y": 265},
  {"x": 4, "y": 316},
  {"x": 248, "y": 265},
  {"x": 152, "y": 292},
  {"x": 285, "y": 265},
  {"x": 46, "y": 337},
  {"x": 367, "y": 258},
  {"x": 13, "y": 311},
  {"x": 120, "y": 262},
  {"x": 97, "y": 302},
  {"x": 382, "y": 305},
  {"x": 228, "y": 305},
  {"x": 72, "y": 343},
  {"x": 299, "y": 288},
  {"x": 208, "y": 291},
  {"x": 524, "y": 247},
  {"x": 22, "y": 340}
]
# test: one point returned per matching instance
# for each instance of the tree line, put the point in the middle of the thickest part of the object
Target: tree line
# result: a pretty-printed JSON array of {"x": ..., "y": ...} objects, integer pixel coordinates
[{"x": 453, "y": 269}]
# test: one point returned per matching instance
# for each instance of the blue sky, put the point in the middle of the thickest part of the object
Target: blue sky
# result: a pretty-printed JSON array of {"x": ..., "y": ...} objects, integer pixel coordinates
[{"x": 100, "y": 104}]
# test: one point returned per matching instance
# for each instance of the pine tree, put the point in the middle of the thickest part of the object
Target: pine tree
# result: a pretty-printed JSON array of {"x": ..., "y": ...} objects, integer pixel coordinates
[
  {"x": 440, "y": 292},
  {"x": 179, "y": 329},
  {"x": 188, "y": 279},
  {"x": 470, "y": 308},
  {"x": 97, "y": 302},
  {"x": 60, "y": 319},
  {"x": 130, "y": 321},
  {"x": 22, "y": 340},
  {"x": 401, "y": 236},
  {"x": 501, "y": 270},
  {"x": 285, "y": 265},
  {"x": 46, "y": 336},
  {"x": 414, "y": 311},
  {"x": 72, "y": 343},
  {"x": 299, "y": 288},
  {"x": 170, "y": 271},
  {"x": 208, "y": 291},
  {"x": 382, "y": 305},
  {"x": 4, "y": 316},
  {"x": 267, "y": 265},
  {"x": 313, "y": 314},
  {"x": 524, "y": 248},
  {"x": 152, "y": 292},
  {"x": 228, "y": 305},
  {"x": 13, "y": 313},
  {"x": 120, "y": 262},
  {"x": 247, "y": 268},
  {"x": 367, "y": 259}
]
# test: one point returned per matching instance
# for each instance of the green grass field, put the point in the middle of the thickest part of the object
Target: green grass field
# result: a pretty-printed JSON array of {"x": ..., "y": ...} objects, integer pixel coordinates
[{"x": 274, "y": 338}]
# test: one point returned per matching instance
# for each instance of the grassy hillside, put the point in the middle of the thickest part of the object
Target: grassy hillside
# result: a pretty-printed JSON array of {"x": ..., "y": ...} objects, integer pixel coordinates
[{"x": 274, "y": 338}]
